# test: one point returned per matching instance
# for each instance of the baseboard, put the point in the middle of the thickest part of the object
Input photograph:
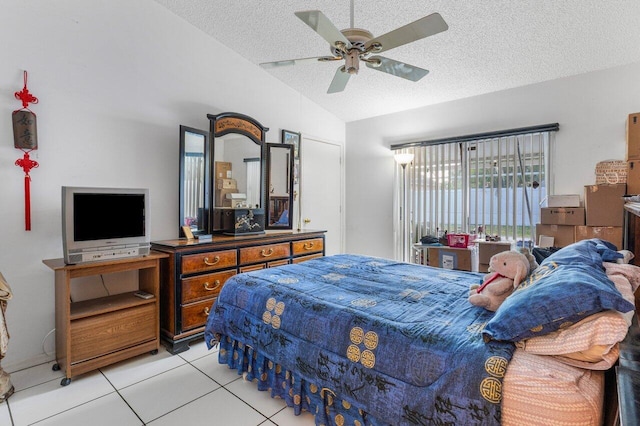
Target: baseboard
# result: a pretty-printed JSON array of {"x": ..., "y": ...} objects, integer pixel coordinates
[{"x": 12, "y": 367}]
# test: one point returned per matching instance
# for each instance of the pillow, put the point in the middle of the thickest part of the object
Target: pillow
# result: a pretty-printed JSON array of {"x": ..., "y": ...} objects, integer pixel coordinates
[
  {"x": 591, "y": 343},
  {"x": 568, "y": 286}
]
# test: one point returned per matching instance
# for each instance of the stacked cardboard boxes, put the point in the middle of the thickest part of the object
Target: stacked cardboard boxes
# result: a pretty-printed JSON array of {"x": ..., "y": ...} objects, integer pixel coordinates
[
  {"x": 601, "y": 217},
  {"x": 224, "y": 184},
  {"x": 605, "y": 213},
  {"x": 633, "y": 154},
  {"x": 559, "y": 220}
]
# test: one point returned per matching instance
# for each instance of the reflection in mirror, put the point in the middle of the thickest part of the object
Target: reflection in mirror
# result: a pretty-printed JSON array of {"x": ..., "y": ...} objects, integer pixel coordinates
[
  {"x": 280, "y": 186},
  {"x": 237, "y": 169},
  {"x": 193, "y": 206}
]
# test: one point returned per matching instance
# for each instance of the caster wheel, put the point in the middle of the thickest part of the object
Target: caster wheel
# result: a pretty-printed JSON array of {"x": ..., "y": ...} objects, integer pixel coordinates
[
  {"x": 65, "y": 381},
  {"x": 154, "y": 352},
  {"x": 55, "y": 367}
]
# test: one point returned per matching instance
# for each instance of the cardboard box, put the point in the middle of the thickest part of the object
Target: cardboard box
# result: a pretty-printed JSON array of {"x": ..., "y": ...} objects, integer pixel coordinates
[
  {"x": 633, "y": 137},
  {"x": 633, "y": 178},
  {"x": 450, "y": 258},
  {"x": 563, "y": 235},
  {"x": 562, "y": 215},
  {"x": 226, "y": 184},
  {"x": 604, "y": 204},
  {"x": 566, "y": 200},
  {"x": 486, "y": 249},
  {"x": 223, "y": 170},
  {"x": 613, "y": 234},
  {"x": 221, "y": 197}
]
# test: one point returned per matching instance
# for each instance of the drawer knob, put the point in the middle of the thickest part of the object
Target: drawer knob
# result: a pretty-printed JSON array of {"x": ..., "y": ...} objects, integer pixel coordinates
[
  {"x": 267, "y": 252},
  {"x": 206, "y": 310},
  {"x": 209, "y": 287},
  {"x": 308, "y": 246},
  {"x": 215, "y": 260}
]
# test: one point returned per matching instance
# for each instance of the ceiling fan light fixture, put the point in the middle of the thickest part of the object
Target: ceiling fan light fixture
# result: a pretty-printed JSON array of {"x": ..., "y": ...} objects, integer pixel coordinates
[{"x": 352, "y": 61}]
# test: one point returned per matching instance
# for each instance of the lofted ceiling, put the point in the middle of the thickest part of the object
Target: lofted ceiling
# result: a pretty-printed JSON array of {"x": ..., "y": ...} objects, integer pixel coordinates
[{"x": 489, "y": 46}]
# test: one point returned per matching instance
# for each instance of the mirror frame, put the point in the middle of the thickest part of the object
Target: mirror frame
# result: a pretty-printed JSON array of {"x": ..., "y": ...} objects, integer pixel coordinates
[
  {"x": 206, "y": 206},
  {"x": 290, "y": 173},
  {"x": 232, "y": 122}
]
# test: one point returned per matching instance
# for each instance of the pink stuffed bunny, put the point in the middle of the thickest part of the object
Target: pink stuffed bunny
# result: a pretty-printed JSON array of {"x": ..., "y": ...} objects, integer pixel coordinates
[{"x": 507, "y": 269}]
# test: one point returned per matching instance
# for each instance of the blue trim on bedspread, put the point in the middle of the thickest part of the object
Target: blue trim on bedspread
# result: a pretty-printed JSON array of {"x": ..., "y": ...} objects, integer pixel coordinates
[{"x": 398, "y": 341}]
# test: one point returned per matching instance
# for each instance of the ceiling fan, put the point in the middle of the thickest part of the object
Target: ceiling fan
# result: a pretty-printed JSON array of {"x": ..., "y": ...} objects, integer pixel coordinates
[{"x": 354, "y": 45}]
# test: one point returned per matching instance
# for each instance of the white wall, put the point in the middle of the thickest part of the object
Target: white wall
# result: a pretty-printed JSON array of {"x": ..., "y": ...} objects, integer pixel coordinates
[
  {"x": 115, "y": 79},
  {"x": 591, "y": 109}
]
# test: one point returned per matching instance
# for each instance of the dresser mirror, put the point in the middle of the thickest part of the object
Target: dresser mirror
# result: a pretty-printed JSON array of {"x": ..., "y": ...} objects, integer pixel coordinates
[
  {"x": 280, "y": 186},
  {"x": 238, "y": 165},
  {"x": 194, "y": 207}
]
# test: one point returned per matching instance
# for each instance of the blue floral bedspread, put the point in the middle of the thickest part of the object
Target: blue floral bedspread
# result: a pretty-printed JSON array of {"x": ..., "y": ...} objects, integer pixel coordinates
[{"x": 401, "y": 342}]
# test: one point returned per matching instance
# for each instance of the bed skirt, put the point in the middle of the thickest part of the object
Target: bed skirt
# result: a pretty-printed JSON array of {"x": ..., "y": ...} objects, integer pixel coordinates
[{"x": 297, "y": 392}]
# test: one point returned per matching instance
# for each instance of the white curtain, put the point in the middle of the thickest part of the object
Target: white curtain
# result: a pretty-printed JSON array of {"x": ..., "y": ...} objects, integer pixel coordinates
[{"x": 253, "y": 181}]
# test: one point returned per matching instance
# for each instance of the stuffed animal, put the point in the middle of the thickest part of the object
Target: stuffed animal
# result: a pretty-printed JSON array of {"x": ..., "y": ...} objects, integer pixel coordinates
[{"x": 507, "y": 270}]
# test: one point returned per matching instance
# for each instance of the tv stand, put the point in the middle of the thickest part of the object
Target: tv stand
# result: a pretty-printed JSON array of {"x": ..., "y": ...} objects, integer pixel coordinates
[{"x": 94, "y": 333}]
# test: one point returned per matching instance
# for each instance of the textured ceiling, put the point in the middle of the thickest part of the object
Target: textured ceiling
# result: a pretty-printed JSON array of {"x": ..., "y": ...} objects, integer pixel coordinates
[{"x": 489, "y": 46}]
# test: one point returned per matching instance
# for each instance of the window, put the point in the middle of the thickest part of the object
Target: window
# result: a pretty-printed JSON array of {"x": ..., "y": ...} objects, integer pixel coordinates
[{"x": 490, "y": 184}]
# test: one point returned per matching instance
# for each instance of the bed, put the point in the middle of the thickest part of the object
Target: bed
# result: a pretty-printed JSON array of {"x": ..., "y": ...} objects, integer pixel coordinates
[{"x": 362, "y": 340}]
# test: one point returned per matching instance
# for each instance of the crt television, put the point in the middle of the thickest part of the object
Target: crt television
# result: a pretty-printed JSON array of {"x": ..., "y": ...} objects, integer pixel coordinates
[{"x": 104, "y": 223}]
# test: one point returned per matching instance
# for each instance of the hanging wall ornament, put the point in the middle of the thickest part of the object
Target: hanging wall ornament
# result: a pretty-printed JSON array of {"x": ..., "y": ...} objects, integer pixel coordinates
[{"x": 25, "y": 138}]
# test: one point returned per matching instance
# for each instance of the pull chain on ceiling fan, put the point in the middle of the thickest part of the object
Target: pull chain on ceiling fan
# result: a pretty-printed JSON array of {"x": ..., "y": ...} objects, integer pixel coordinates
[{"x": 354, "y": 45}]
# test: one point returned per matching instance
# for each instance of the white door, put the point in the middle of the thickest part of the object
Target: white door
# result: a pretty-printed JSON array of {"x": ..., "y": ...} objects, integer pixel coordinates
[{"x": 321, "y": 191}]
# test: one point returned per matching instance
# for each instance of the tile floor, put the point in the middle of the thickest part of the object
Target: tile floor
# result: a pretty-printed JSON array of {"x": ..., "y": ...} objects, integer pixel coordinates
[{"x": 187, "y": 389}]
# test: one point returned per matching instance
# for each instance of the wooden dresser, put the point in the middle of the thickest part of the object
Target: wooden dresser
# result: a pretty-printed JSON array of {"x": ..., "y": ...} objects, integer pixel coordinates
[
  {"x": 628, "y": 369},
  {"x": 195, "y": 271}
]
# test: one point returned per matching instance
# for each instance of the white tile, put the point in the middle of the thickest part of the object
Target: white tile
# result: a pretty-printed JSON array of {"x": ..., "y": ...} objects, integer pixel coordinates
[
  {"x": 221, "y": 373},
  {"x": 36, "y": 375},
  {"x": 287, "y": 417},
  {"x": 260, "y": 400},
  {"x": 5, "y": 418},
  {"x": 47, "y": 399},
  {"x": 140, "y": 368},
  {"x": 216, "y": 408},
  {"x": 108, "y": 410},
  {"x": 197, "y": 349},
  {"x": 165, "y": 392}
]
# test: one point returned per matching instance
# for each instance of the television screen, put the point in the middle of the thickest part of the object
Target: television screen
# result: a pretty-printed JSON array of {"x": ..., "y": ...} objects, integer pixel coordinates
[
  {"x": 104, "y": 223},
  {"x": 105, "y": 216}
]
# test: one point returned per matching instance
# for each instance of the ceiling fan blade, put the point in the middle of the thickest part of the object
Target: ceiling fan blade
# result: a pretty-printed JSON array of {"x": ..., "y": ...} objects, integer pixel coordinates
[
  {"x": 399, "y": 69},
  {"x": 339, "y": 81},
  {"x": 288, "y": 62},
  {"x": 323, "y": 26},
  {"x": 424, "y": 27}
]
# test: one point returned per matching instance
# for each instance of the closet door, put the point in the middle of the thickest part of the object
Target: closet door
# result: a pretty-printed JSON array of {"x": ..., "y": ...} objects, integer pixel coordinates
[{"x": 322, "y": 189}]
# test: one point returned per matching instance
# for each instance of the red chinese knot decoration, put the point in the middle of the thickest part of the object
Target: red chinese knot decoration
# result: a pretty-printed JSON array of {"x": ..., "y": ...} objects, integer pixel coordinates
[{"x": 25, "y": 138}]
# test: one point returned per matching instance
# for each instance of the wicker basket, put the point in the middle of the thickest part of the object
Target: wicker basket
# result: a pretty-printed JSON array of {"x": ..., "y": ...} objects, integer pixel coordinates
[{"x": 611, "y": 172}]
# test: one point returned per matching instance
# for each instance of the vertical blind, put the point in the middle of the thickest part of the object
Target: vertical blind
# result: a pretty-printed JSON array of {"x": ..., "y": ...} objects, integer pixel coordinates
[
  {"x": 489, "y": 184},
  {"x": 193, "y": 186}
]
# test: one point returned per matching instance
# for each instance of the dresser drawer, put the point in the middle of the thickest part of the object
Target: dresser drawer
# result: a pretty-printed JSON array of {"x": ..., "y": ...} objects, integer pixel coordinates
[
  {"x": 195, "y": 314},
  {"x": 204, "y": 286},
  {"x": 209, "y": 261},
  {"x": 314, "y": 245},
  {"x": 264, "y": 253}
]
